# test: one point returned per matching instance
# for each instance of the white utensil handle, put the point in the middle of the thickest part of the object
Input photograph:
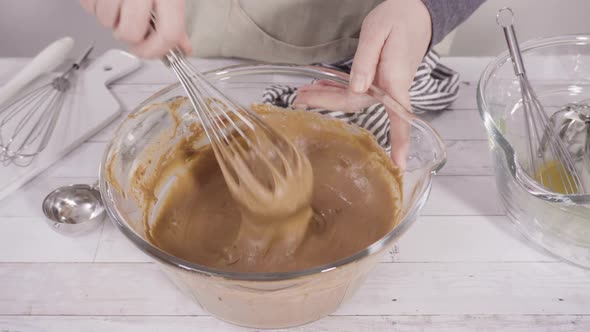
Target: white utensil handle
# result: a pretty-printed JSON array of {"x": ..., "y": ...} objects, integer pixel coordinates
[{"x": 46, "y": 61}]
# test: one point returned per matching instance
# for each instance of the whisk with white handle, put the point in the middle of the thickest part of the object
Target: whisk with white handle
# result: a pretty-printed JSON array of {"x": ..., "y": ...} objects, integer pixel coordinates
[
  {"x": 549, "y": 161},
  {"x": 45, "y": 62},
  {"x": 27, "y": 123}
]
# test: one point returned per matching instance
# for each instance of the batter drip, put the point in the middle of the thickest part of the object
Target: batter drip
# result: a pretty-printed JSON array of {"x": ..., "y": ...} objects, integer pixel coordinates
[{"x": 354, "y": 201}]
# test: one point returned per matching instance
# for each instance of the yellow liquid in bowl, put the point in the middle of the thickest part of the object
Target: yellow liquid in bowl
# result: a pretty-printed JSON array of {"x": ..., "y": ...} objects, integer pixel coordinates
[{"x": 556, "y": 178}]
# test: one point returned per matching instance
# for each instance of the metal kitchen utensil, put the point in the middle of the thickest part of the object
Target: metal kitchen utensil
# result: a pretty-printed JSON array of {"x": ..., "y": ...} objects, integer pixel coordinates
[
  {"x": 256, "y": 160},
  {"x": 553, "y": 169},
  {"x": 45, "y": 62},
  {"x": 27, "y": 123},
  {"x": 75, "y": 209},
  {"x": 573, "y": 127}
]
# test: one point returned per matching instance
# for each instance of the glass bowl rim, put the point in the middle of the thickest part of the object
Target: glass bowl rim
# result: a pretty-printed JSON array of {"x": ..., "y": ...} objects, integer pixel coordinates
[
  {"x": 163, "y": 257},
  {"x": 516, "y": 171}
]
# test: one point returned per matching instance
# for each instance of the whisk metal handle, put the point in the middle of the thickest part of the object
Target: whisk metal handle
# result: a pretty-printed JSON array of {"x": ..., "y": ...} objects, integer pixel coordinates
[
  {"x": 174, "y": 54},
  {"x": 78, "y": 63},
  {"x": 83, "y": 57},
  {"x": 505, "y": 19}
]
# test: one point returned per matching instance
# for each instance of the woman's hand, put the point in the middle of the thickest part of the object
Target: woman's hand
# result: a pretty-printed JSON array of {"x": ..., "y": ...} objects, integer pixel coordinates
[
  {"x": 394, "y": 39},
  {"x": 334, "y": 96},
  {"x": 130, "y": 22}
]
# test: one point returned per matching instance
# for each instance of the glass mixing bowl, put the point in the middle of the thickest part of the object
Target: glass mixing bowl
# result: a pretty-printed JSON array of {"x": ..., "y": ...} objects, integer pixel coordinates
[
  {"x": 559, "y": 71},
  {"x": 261, "y": 300}
]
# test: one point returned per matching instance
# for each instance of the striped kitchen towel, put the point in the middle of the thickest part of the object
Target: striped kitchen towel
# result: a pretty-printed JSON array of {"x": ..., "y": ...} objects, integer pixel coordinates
[{"x": 435, "y": 88}]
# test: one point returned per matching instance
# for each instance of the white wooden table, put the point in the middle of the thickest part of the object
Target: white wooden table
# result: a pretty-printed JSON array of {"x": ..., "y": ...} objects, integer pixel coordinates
[{"x": 461, "y": 267}]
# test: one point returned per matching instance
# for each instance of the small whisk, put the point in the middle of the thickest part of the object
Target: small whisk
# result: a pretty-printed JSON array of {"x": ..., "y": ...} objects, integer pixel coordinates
[
  {"x": 261, "y": 167},
  {"x": 27, "y": 123},
  {"x": 549, "y": 161}
]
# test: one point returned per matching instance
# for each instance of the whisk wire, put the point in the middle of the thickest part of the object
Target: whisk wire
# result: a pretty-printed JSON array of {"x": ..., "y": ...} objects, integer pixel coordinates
[
  {"x": 36, "y": 102},
  {"x": 39, "y": 125},
  {"x": 236, "y": 133},
  {"x": 28, "y": 122},
  {"x": 567, "y": 172},
  {"x": 200, "y": 107}
]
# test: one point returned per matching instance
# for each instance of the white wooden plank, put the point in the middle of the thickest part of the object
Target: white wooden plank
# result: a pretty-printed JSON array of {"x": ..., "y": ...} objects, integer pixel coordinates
[
  {"x": 465, "y": 239},
  {"x": 473, "y": 288},
  {"x": 470, "y": 68},
  {"x": 115, "y": 247},
  {"x": 466, "y": 99},
  {"x": 399, "y": 288},
  {"x": 91, "y": 289},
  {"x": 82, "y": 162},
  {"x": 26, "y": 202},
  {"x": 463, "y": 195},
  {"x": 32, "y": 240},
  {"x": 468, "y": 158},
  {"x": 436, "y": 323},
  {"x": 457, "y": 125}
]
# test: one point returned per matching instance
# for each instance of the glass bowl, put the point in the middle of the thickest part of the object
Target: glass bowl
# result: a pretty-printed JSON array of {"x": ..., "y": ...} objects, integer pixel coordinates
[
  {"x": 559, "y": 71},
  {"x": 262, "y": 300}
]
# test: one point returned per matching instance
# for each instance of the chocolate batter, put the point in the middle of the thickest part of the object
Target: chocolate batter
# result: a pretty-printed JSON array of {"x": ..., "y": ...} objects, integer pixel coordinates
[{"x": 355, "y": 200}]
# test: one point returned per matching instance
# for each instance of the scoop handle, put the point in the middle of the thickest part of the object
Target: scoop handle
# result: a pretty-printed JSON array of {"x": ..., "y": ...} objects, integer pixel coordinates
[{"x": 46, "y": 61}]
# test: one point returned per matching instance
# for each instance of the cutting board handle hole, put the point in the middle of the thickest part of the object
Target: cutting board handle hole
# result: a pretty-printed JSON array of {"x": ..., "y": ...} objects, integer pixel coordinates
[{"x": 107, "y": 68}]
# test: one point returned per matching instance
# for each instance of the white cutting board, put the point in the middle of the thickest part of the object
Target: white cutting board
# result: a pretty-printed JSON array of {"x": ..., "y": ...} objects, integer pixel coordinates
[{"x": 89, "y": 106}]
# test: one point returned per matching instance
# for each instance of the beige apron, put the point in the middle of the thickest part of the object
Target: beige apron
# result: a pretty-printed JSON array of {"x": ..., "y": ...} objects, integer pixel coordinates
[{"x": 294, "y": 31}]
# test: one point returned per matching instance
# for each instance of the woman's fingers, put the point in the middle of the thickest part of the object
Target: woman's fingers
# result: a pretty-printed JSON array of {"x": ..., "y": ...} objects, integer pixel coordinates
[
  {"x": 333, "y": 99},
  {"x": 317, "y": 87},
  {"x": 329, "y": 83},
  {"x": 134, "y": 21},
  {"x": 171, "y": 20},
  {"x": 88, "y": 5},
  {"x": 372, "y": 37},
  {"x": 399, "y": 138},
  {"x": 169, "y": 31},
  {"x": 396, "y": 69},
  {"x": 130, "y": 21},
  {"x": 394, "y": 39},
  {"x": 107, "y": 12},
  {"x": 185, "y": 45}
]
